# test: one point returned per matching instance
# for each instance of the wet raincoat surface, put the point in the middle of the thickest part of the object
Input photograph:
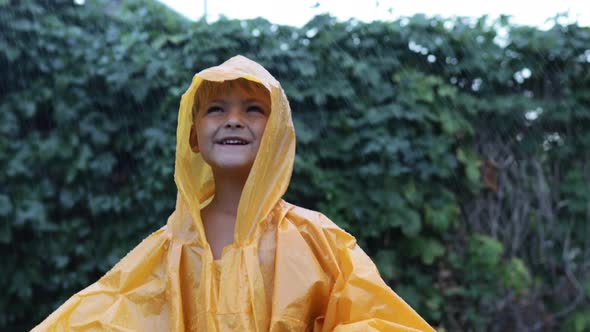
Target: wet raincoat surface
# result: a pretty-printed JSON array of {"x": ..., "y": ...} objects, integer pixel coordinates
[{"x": 289, "y": 269}]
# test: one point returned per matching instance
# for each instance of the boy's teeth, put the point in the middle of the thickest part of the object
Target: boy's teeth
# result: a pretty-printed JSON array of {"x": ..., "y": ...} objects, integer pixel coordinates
[{"x": 233, "y": 141}]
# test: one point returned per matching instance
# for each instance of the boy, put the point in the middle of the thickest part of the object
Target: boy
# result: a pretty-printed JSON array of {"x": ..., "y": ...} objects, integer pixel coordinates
[{"x": 234, "y": 256}]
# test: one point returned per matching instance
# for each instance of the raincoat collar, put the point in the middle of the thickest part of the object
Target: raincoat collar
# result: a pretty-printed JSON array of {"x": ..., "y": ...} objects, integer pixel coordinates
[{"x": 270, "y": 173}]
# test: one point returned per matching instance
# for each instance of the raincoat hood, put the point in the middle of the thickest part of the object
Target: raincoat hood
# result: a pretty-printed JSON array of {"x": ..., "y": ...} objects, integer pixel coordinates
[
  {"x": 288, "y": 269},
  {"x": 271, "y": 172}
]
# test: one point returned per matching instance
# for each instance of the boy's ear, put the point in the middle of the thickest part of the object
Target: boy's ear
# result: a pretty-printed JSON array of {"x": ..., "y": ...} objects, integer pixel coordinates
[{"x": 193, "y": 139}]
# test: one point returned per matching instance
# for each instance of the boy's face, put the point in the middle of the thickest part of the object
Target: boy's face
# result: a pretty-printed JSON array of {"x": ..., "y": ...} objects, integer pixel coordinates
[{"x": 228, "y": 128}]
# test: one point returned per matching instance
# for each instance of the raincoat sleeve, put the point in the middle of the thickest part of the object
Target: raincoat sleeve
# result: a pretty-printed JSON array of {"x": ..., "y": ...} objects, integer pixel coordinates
[
  {"x": 360, "y": 300},
  {"x": 130, "y": 297}
]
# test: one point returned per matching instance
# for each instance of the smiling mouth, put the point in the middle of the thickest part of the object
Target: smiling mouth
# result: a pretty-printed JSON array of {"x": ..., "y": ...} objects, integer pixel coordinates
[{"x": 233, "y": 141}]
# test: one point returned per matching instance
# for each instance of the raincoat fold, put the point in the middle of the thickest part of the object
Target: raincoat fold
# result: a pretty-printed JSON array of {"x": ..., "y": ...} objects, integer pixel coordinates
[{"x": 288, "y": 269}]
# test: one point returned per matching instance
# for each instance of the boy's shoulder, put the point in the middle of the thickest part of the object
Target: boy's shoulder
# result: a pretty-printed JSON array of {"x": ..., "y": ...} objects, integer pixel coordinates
[
  {"x": 307, "y": 216},
  {"x": 318, "y": 225}
]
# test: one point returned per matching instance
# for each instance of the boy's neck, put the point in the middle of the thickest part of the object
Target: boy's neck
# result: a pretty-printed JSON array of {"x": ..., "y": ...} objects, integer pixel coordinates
[{"x": 228, "y": 190}]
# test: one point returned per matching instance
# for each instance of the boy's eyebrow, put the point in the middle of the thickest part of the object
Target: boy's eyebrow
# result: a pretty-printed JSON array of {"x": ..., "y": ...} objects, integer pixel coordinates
[
  {"x": 250, "y": 100},
  {"x": 215, "y": 100}
]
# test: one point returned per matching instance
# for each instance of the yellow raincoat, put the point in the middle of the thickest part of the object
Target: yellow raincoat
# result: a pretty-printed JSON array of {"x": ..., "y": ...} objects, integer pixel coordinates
[{"x": 289, "y": 269}]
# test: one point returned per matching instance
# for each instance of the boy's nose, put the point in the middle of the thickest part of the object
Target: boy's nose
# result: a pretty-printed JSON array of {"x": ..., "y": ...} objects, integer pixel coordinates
[{"x": 234, "y": 119}]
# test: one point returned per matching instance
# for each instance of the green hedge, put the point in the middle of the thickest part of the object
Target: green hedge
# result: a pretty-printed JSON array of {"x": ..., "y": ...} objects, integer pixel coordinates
[{"x": 458, "y": 157}]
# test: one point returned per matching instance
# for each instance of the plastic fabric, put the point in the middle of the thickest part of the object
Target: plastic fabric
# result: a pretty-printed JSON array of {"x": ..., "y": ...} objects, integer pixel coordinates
[{"x": 289, "y": 268}]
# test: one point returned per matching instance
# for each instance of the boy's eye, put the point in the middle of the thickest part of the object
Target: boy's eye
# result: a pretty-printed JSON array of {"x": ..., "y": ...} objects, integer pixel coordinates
[
  {"x": 213, "y": 109},
  {"x": 255, "y": 109}
]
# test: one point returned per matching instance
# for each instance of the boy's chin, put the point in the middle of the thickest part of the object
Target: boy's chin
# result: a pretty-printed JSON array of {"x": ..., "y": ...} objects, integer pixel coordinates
[{"x": 231, "y": 167}]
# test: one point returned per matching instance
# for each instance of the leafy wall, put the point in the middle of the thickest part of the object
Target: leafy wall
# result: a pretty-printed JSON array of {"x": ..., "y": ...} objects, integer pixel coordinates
[{"x": 458, "y": 157}]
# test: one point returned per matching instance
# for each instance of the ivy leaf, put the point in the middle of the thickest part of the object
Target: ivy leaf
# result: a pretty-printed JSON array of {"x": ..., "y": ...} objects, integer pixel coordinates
[{"x": 430, "y": 250}]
